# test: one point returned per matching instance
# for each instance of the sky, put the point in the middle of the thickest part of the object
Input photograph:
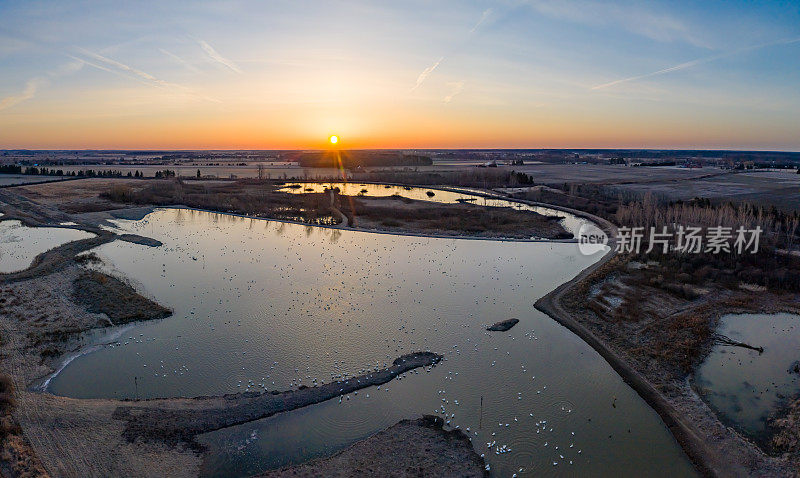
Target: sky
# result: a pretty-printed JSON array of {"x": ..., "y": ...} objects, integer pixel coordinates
[{"x": 400, "y": 74}]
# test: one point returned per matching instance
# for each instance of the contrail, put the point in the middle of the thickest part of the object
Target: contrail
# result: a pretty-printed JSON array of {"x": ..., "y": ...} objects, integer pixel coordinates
[
  {"x": 426, "y": 72},
  {"x": 484, "y": 16},
  {"x": 138, "y": 75},
  {"x": 179, "y": 60},
  {"x": 699, "y": 61},
  {"x": 122, "y": 66},
  {"x": 214, "y": 54}
]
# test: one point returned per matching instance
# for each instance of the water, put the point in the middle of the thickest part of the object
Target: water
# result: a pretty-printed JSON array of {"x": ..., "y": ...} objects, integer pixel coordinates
[
  {"x": 570, "y": 222},
  {"x": 19, "y": 244},
  {"x": 281, "y": 304},
  {"x": 745, "y": 387}
]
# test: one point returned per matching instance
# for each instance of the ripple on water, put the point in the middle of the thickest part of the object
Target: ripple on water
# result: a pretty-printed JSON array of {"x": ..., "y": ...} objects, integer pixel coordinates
[{"x": 261, "y": 301}]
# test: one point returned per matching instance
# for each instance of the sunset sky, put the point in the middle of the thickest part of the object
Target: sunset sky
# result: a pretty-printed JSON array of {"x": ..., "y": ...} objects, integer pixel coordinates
[{"x": 400, "y": 74}]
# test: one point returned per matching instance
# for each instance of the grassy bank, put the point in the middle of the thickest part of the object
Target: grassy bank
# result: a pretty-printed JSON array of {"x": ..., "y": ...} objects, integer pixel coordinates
[
  {"x": 410, "y": 448},
  {"x": 17, "y": 458},
  {"x": 263, "y": 199},
  {"x": 658, "y": 312},
  {"x": 161, "y": 421}
]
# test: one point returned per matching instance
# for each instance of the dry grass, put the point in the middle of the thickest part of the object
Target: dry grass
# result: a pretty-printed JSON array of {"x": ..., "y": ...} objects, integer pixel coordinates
[
  {"x": 251, "y": 197},
  {"x": 72, "y": 437},
  {"x": 395, "y": 213},
  {"x": 463, "y": 177},
  {"x": 262, "y": 199},
  {"x": 625, "y": 208},
  {"x": 101, "y": 293},
  {"x": 787, "y": 428},
  {"x": 411, "y": 448},
  {"x": 7, "y": 402},
  {"x": 16, "y": 453}
]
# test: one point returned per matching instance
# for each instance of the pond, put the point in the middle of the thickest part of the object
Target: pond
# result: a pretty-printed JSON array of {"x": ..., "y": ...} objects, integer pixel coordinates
[
  {"x": 744, "y": 386},
  {"x": 267, "y": 305},
  {"x": 19, "y": 244},
  {"x": 570, "y": 222}
]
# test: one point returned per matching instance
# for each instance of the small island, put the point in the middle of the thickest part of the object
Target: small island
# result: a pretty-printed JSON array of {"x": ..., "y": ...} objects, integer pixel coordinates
[{"x": 503, "y": 325}]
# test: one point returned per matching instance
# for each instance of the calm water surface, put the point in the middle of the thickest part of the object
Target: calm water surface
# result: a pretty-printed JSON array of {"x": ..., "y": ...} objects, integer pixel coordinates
[
  {"x": 571, "y": 222},
  {"x": 265, "y": 305},
  {"x": 743, "y": 385},
  {"x": 19, "y": 244}
]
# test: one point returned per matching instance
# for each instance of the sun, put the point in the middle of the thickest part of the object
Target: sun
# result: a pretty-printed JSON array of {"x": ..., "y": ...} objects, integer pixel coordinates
[{"x": 333, "y": 139}]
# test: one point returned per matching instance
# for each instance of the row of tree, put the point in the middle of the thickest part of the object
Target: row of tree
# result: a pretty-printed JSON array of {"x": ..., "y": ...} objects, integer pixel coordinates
[{"x": 88, "y": 173}]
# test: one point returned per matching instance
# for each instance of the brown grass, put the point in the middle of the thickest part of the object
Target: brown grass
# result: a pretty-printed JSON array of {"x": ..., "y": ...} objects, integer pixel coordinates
[
  {"x": 624, "y": 208},
  {"x": 251, "y": 197},
  {"x": 401, "y": 213},
  {"x": 16, "y": 453},
  {"x": 463, "y": 177},
  {"x": 7, "y": 403},
  {"x": 262, "y": 199},
  {"x": 101, "y": 293}
]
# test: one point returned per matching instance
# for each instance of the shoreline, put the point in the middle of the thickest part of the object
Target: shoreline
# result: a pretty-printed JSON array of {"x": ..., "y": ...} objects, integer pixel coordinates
[
  {"x": 683, "y": 426},
  {"x": 372, "y": 231},
  {"x": 427, "y": 450},
  {"x": 55, "y": 259},
  {"x": 706, "y": 459},
  {"x": 94, "y": 220},
  {"x": 144, "y": 420},
  {"x": 41, "y": 385}
]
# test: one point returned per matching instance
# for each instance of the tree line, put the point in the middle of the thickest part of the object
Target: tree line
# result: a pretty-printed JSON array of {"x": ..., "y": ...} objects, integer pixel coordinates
[{"x": 88, "y": 173}]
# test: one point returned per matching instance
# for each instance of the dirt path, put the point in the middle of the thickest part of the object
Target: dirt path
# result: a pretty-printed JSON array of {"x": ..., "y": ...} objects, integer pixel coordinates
[
  {"x": 708, "y": 460},
  {"x": 31, "y": 213}
]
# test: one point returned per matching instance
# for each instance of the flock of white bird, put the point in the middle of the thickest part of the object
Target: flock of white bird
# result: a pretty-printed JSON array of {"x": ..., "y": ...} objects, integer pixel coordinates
[{"x": 264, "y": 306}]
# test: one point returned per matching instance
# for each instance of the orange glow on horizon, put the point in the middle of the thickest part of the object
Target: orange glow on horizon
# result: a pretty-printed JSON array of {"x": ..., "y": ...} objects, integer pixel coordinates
[{"x": 305, "y": 127}]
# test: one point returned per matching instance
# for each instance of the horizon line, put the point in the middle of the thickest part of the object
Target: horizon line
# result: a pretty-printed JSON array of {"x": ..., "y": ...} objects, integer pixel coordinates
[{"x": 158, "y": 150}]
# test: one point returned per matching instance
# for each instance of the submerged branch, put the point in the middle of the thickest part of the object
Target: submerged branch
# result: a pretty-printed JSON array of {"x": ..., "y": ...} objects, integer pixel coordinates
[{"x": 725, "y": 340}]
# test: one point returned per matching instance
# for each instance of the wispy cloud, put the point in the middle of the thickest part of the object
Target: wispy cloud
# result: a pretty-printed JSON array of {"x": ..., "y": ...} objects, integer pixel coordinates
[
  {"x": 180, "y": 60},
  {"x": 692, "y": 63},
  {"x": 426, "y": 73},
  {"x": 486, "y": 14},
  {"x": 31, "y": 87},
  {"x": 631, "y": 17},
  {"x": 121, "y": 66},
  {"x": 214, "y": 55},
  {"x": 113, "y": 66},
  {"x": 457, "y": 87}
]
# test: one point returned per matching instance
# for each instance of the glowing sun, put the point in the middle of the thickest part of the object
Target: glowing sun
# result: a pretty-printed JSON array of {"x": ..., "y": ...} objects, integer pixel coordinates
[{"x": 333, "y": 139}]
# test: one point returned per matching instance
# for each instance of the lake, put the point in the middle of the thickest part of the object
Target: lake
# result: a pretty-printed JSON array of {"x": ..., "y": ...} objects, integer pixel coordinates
[{"x": 268, "y": 305}]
